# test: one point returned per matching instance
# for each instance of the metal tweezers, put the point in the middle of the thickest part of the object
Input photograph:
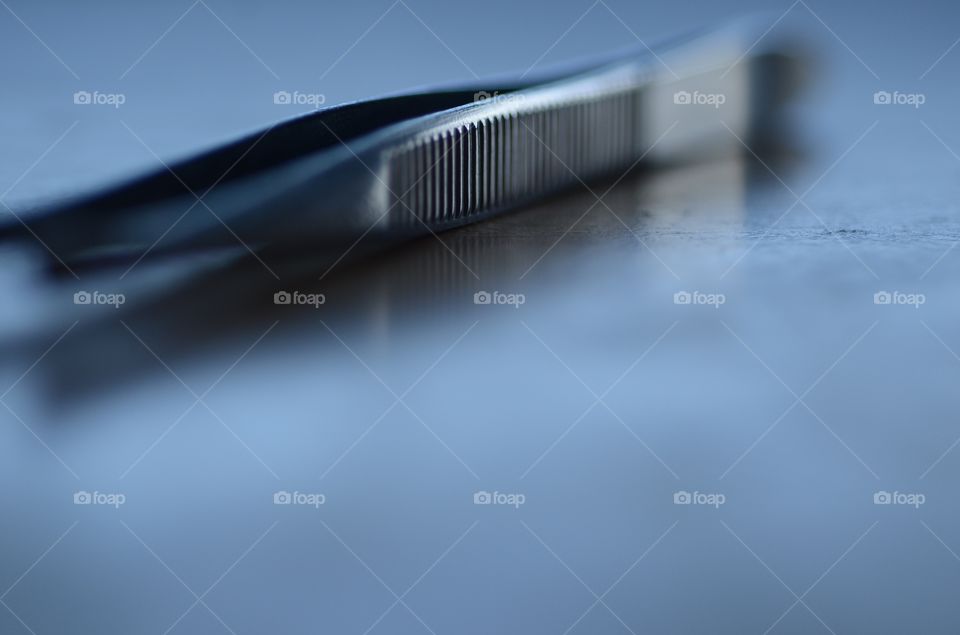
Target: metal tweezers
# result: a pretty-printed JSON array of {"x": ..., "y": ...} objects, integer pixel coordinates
[{"x": 394, "y": 168}]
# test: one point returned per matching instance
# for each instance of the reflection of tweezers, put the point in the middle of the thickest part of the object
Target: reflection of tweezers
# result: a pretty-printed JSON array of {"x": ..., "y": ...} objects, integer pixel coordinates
[{"x": 397, "y": 167}]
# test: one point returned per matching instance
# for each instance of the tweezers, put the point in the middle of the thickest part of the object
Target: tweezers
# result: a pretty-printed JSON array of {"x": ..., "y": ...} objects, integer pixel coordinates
[{"x": 397, "y": 167}]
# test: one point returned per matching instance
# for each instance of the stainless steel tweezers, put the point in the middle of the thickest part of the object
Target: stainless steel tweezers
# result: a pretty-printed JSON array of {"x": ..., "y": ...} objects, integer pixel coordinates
[{"x": 397, "y": 167}]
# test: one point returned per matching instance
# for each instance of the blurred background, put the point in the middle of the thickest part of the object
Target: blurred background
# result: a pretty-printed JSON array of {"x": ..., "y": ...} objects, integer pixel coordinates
[{"x": 776, "y": 455}]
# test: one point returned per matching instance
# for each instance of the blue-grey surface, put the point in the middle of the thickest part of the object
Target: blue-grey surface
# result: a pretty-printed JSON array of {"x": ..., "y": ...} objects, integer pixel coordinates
[{"x": 793, "y": 406}]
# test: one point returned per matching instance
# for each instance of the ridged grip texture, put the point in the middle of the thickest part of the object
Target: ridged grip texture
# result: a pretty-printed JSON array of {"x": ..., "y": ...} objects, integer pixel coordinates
[{"x": 524, "y": 148}]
